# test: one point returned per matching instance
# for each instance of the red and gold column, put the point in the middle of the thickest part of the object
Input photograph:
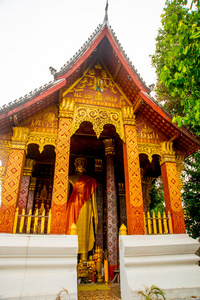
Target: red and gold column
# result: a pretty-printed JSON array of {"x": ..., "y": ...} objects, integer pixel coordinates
[
  {"x": 111, "y": 197},
  {"x": 60, "y": 185},
  {"x": 134, "y": 199},
  {"x": 13, "y": 179},
  {"x": 171, "y": 187}
]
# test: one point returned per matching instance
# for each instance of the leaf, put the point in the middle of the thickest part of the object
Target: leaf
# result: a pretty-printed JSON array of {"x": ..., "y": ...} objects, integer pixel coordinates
[{"x": 173, "y": 119}]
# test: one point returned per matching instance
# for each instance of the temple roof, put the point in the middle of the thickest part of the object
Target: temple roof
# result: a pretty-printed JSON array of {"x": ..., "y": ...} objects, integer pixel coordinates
[{"x": 104, "y": 46}]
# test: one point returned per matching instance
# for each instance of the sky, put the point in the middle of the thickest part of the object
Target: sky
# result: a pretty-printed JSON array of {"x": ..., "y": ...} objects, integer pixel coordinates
[{"x": 37, "y": 34}]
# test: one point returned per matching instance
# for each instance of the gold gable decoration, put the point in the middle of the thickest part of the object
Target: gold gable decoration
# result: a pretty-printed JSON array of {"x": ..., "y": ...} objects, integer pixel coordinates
[{"x": 98, "y": 116}]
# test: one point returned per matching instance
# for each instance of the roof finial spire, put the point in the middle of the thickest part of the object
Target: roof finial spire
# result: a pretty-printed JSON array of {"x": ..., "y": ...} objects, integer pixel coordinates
[{"x": 105, "y": 21}]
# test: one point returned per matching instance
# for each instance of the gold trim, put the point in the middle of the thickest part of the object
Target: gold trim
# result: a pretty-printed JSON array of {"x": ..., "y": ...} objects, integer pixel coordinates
[
  {"x": 98, "y": 116},
  {"x": 41, "y": 140},
  {"x": 149, "y": 150},
  {"x": 128, "y": 115},
  {"x": 28, "y": 167},
  {"x": 109, "y": 147}
]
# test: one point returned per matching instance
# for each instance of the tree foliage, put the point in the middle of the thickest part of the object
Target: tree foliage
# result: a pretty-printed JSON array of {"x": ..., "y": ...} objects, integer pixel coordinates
[
  {"x": 157, "y": 197},
  {"x": 191, "y": 194},
  {"x": 177, "y": 62}
]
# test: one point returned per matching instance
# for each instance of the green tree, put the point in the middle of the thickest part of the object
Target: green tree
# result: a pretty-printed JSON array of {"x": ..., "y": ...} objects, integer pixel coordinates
[
  {"x": 157, "y": 197},
  {"x": 177, "y": 62},
  {"x": 191, "y": 194}
]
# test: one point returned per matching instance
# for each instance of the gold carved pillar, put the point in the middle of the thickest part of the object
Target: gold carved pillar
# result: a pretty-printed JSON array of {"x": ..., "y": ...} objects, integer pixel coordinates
[
  {"x": 111, "y": 200},
  {"x": 13, "y": 178},
  {"x": 134, "y": 199},
  {"x": 60, "y": 185},
  {"x": 171, "y": 187}
]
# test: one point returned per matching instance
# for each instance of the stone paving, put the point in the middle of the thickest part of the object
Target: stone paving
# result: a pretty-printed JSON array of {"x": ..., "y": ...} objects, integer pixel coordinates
[{"x": 113, "y": 293}]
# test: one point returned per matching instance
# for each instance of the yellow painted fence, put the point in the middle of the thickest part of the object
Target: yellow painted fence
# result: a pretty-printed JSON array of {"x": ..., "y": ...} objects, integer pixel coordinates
[
  {"x": 36, "y": 224},
  {"x": 162, "y": 224}
]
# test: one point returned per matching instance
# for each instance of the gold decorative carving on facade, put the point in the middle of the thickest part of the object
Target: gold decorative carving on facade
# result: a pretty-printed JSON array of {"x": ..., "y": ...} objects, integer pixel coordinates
[
  {"x": 168, "y": 153},
  {"x": 32, "y": 184},
  {"x": 180, "y": 167},
  {"x": 149, "y": 150},
  {"x": 109, "y": 146},
  {"x": 20, "y": 134},
  {"x": 98, "y": 116},
  {"x": 128, "y": 115},
  {"x": 19, "y": 138},
  {"x": 66, "y": 107},
  {"x": 46, "y": 120},
  {"x": 147, "y": 133},
  {"x": 28, "y": 166},
  {"x": 98, "y": 165},
  {"x": 98, "y": 96},
  {"x": 5, "y": 145},
  {"x": 42, "y": 140}
]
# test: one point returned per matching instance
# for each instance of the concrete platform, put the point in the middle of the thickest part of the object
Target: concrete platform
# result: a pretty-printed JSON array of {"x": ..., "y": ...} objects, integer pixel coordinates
[
  {"x": 167, "y": 261},
  {"x": 37, "y": 266}
]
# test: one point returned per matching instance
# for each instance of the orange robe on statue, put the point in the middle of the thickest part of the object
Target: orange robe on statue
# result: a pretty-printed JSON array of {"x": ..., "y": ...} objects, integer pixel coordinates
[{"x": 81, "y": 210}]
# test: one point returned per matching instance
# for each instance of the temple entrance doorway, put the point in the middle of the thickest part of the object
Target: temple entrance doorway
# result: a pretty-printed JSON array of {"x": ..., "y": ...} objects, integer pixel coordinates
[
  {"x": 107, "y": 167},
  {"x": 41, "y": 186}
]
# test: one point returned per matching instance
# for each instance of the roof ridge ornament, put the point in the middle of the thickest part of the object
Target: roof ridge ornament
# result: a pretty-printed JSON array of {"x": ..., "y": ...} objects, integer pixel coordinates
[{"x": 105, "y": 21}]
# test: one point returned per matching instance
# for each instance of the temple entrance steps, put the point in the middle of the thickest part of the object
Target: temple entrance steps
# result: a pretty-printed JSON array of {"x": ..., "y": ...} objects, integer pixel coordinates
[{"x": 99, "y": 292}]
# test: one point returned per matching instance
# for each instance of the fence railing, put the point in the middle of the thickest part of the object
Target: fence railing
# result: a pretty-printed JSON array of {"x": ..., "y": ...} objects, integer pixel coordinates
[
  {"x": 158, "y": 225},
  {"x": 36, "y": 224}
]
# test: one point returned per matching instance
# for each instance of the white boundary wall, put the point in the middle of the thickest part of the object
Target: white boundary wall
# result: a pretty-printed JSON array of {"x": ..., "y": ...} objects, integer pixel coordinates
[
  {"x": 167, "y": 261},
  {"x": 38, "y": 266}
]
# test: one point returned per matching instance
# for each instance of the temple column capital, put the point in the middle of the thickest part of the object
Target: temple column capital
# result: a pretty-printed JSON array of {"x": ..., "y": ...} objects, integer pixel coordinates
[
  {"x": 66, "y": 108},
  {"x": 109, "y": 147},
  {"x": 20, "y": 137},
  {"x": 128, "y": 115},
  {"x": 32, "y": 184},
  {"x": 28, "y": 166},
  {"x": 167, "y": 152}
]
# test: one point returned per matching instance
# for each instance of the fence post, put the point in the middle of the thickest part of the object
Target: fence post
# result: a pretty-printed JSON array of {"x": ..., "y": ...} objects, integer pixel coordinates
[
  {"x": 49, "y": 222},
  {"x": 42, "y": 222},
  {"x": 28, "y": 228},
  {"x": 149, "y": 222},
  {"x": 15, "y": 220},
  {"x": 159, "y": 223},
  {"x": 154, "y": 224},
  {"x": 170, "y": 223},
  {"x": 21, "y": 227},
  {"x": 165, "y": 222},
  {"x": 35, "y": 222}
]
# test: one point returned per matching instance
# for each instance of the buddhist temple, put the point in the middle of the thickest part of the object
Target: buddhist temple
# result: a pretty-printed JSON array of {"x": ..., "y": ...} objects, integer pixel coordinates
[{"x": 97, "y": 107}]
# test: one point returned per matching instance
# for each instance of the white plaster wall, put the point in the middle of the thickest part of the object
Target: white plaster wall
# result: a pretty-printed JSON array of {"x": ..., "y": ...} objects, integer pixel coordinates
[
  {"x": 168, "y": 261},
  {"x": 38, "y": 266}
]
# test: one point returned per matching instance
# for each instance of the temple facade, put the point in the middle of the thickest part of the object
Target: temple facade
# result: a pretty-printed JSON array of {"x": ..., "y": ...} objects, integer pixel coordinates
[{"x": 97, "y": 107}]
